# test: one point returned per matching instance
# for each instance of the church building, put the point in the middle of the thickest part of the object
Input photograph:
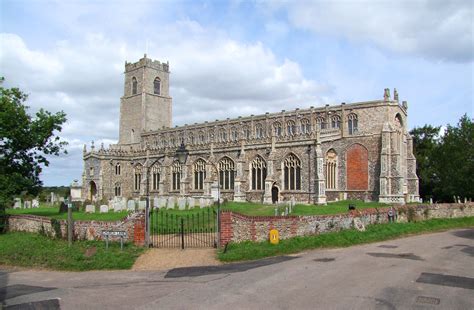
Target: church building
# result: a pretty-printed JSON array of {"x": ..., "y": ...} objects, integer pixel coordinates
[{"x": 313, "y": 155}]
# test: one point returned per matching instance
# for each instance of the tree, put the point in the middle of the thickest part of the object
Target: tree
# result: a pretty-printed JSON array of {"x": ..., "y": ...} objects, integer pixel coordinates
[
  {"x": 454, "y": 160},
  {"x": 425, "y": 144},
  {"x": 25, "y": 141}
]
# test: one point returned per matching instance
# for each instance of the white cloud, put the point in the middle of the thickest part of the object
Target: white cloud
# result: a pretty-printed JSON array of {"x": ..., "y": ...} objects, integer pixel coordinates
[
  {"x": 433, "y": 29},
  {"x": 212, "y": 77}
]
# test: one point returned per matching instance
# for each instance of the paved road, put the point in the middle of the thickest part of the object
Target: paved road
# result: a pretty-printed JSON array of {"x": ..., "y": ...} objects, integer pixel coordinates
[{"x": 433, "y": 271}]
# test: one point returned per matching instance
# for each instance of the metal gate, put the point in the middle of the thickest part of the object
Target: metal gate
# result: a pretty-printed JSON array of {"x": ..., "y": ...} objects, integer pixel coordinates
[{"x": 195, "y": 228}]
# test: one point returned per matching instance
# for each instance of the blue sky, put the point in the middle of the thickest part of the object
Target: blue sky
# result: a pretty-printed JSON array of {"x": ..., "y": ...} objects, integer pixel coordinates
[{"x": 231, "y": 58}]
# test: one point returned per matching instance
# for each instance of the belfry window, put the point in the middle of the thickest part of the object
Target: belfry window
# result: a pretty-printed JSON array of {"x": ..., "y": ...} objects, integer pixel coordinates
[
  {"x": 331, "y": 169},
  {"x": 292, "y": 173},
  {"x": 199, "y": 174},
  {"x": 157, "y": 86},
  {"x": 352, "y": 123},
  {"x": 117, "y": 169},
  {"x": 259, "y": 173},
  {"x": 118, "y": 190},
  {"x": 134, "y": 85},
  {"x": 176, "y": 171},
  {"x": 226, "y": 173}
]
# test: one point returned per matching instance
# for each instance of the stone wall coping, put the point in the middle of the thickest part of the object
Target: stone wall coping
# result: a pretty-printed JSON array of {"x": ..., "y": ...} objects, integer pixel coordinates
[
  {"x": 47, "y": 219},
  {"x": 354, "y": 213}
]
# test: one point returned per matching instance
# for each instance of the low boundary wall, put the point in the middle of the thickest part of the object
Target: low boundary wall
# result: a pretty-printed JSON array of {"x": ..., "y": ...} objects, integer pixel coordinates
[
  {"x": 236, "y": 227},
  {"x": 133, "y": 224}
]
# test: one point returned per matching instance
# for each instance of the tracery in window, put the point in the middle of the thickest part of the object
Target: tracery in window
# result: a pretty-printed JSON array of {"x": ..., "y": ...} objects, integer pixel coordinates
[
  {"x": 305, "y": 126},
  {"x": 259, "y": 173},
  {"x": 118, "y": 190},
  {"x": 321, "y": 123},
  {"x": 277, "y": 129},
  {"x": 199, "y": 174},
  {"x": 226, "y": 173},
  {"x": 331, "y": 169},
  {"x": 176, "y": 173},
  {"x": 335, "y": 121},
  {"x": 155, "y": 177},
  {"x": 137, "y": 177},
  {"x": 352, "y": 123},
  {"x": 117, "y": 169},
  {"x": 292, "y": 173},
  {"x": 290, "y": 128},
  {"x": 259, "y": 131}
]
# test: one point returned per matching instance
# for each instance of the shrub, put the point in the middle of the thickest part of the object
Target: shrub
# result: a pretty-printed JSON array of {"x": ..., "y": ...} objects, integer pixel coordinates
[{"x": 411, "y": 214}]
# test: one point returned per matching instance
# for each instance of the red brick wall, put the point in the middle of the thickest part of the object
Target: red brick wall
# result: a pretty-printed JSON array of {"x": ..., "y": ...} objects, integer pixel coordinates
[
  {"x": 357, "y": 168},
  {"x": 226, "y": 233}
]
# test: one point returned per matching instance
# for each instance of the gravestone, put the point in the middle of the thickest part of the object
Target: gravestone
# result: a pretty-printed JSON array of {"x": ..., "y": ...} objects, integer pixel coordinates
[
  {"x": 17, "y": 204},
  {"x": 27, "y": 204},
  {"x": 61, "y": 199},
  {"x": 142, "y": 205},
  {"x": 90, "y": 209},
  {"x": 53, "y": 198},
  {"x": 190, "y": 201},
  {"x": 171, "y": 203},
  {"x": 117, "y": 206},
  {"x": 131, "y": 205},
  {"x": 111, "y": 204},
  {"x": 155, "y": 202},
  {"x": 182, "y": 203},
  {"x": 35, "y": 203},
  {"x": 201, "y": 202},
  {"x": 104, "y": 208},
  {"x": 162, "y": 201}
]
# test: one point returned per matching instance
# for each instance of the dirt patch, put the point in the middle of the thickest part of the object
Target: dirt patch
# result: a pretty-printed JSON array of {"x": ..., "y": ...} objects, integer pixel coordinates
[{"x": 163, "y": 259}]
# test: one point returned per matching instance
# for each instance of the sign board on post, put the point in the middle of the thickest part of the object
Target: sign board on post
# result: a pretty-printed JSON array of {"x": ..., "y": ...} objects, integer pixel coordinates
[{"x": 114, "y": 233}]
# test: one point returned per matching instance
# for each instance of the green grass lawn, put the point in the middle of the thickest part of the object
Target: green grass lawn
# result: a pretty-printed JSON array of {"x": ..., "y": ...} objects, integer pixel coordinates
[
  {"x": 36, "y": 251},
  {"x": 53, "y": 212},
  {"x": 255, "y": 250},
  {"x": 258, "y": 209}
]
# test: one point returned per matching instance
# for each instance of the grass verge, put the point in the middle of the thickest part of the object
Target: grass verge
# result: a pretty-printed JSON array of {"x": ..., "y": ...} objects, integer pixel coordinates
[
  {"x": 255, "y": 250},
  {"x": 53, "y": 212},
  {"x": 36, "y": 251},
  {"x": 338, "y": 207}
]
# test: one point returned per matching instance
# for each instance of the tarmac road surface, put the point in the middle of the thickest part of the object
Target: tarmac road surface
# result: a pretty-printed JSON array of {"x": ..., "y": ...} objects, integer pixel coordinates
[{"x": 434, "y": 271}]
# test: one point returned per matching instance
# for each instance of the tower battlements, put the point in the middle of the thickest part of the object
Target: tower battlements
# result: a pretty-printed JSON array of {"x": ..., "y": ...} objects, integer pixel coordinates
[{"x": 147, "y": 62}]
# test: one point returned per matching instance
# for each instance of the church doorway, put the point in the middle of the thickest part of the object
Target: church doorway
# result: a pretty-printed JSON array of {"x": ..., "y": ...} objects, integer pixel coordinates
[
  {"x": 274, "y": 194},
  {"x": 93, "y": 191}
]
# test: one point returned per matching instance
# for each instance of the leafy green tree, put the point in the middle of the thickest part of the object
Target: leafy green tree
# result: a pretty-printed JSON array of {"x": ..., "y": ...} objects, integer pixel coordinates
[
  {"x": 454, "y": 161},
  {"x": 25, "y": 143},
  {"x": 425, "y": 144}
]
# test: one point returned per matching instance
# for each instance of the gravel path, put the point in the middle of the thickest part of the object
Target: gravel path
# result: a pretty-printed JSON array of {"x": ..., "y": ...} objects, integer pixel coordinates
[{"x": 163, "y": 259}]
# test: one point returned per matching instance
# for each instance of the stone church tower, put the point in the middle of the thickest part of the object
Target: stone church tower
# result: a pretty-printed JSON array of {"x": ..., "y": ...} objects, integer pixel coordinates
[{"x": 146, "y": 102}]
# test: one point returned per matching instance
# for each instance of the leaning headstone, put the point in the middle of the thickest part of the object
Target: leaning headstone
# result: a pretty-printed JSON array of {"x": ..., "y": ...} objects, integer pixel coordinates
[
  {"x": 27, "y": 204},
  {"x": 171, "y": 203},
  {"x": 182, "y": 203},
  {"x": 90, "y": 209},
  {"x": 35, "y": 203},
  {"x": 142, "y": 205},
  {"x": 131, "y": 205},
  {"x": 17, "y": 204},
  {"x": 104, "y": 208}
]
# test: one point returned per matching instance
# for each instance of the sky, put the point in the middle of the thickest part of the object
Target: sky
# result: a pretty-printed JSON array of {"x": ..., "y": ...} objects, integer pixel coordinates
[{"x": 231, "y": 58}]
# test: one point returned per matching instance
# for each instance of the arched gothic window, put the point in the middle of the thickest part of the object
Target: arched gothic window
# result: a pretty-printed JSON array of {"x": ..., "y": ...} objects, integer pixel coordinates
[
  {"x": 290, "y": 128},
  {"x": 259, "y": 173},
  {"x": 277, "y": 129},
  {"x": 137, "y": 177},
  {"x": 157, "y": 86},
  {"x": 234, "y": 135},
  {"x": 155, "y": 178},
  {"x": 202, "y": 137},
  {"x": 172, "y": 141},
  {"x": 352, "y": 123},
  {"x": 305, "y": 126},
  {"x": 118, "y": 190},
  {"x": 259, "y": 131},
  {"x": 117, "y": 169},
  {"x": 246, "y": 132},
  {"x": 191, "y": 138},
  {"x": 199, "y": 174},
  {"x": 292, "y": 173},
  {"x": 226, "y": 173},
  {"x": 176, "y": 171},
  {"x": 331, "y": 169},
  {"x": 134, "y": 85},
  {"x": 321, "y": 123},
  {"x": 223, "y": 135},
  {"x": 335, "y": 122}
]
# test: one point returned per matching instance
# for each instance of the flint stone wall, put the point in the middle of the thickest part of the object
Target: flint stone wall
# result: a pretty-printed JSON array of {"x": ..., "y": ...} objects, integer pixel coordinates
[
  {"x": 237, "y": 227},
  {"x": 83, "y": 230}
]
